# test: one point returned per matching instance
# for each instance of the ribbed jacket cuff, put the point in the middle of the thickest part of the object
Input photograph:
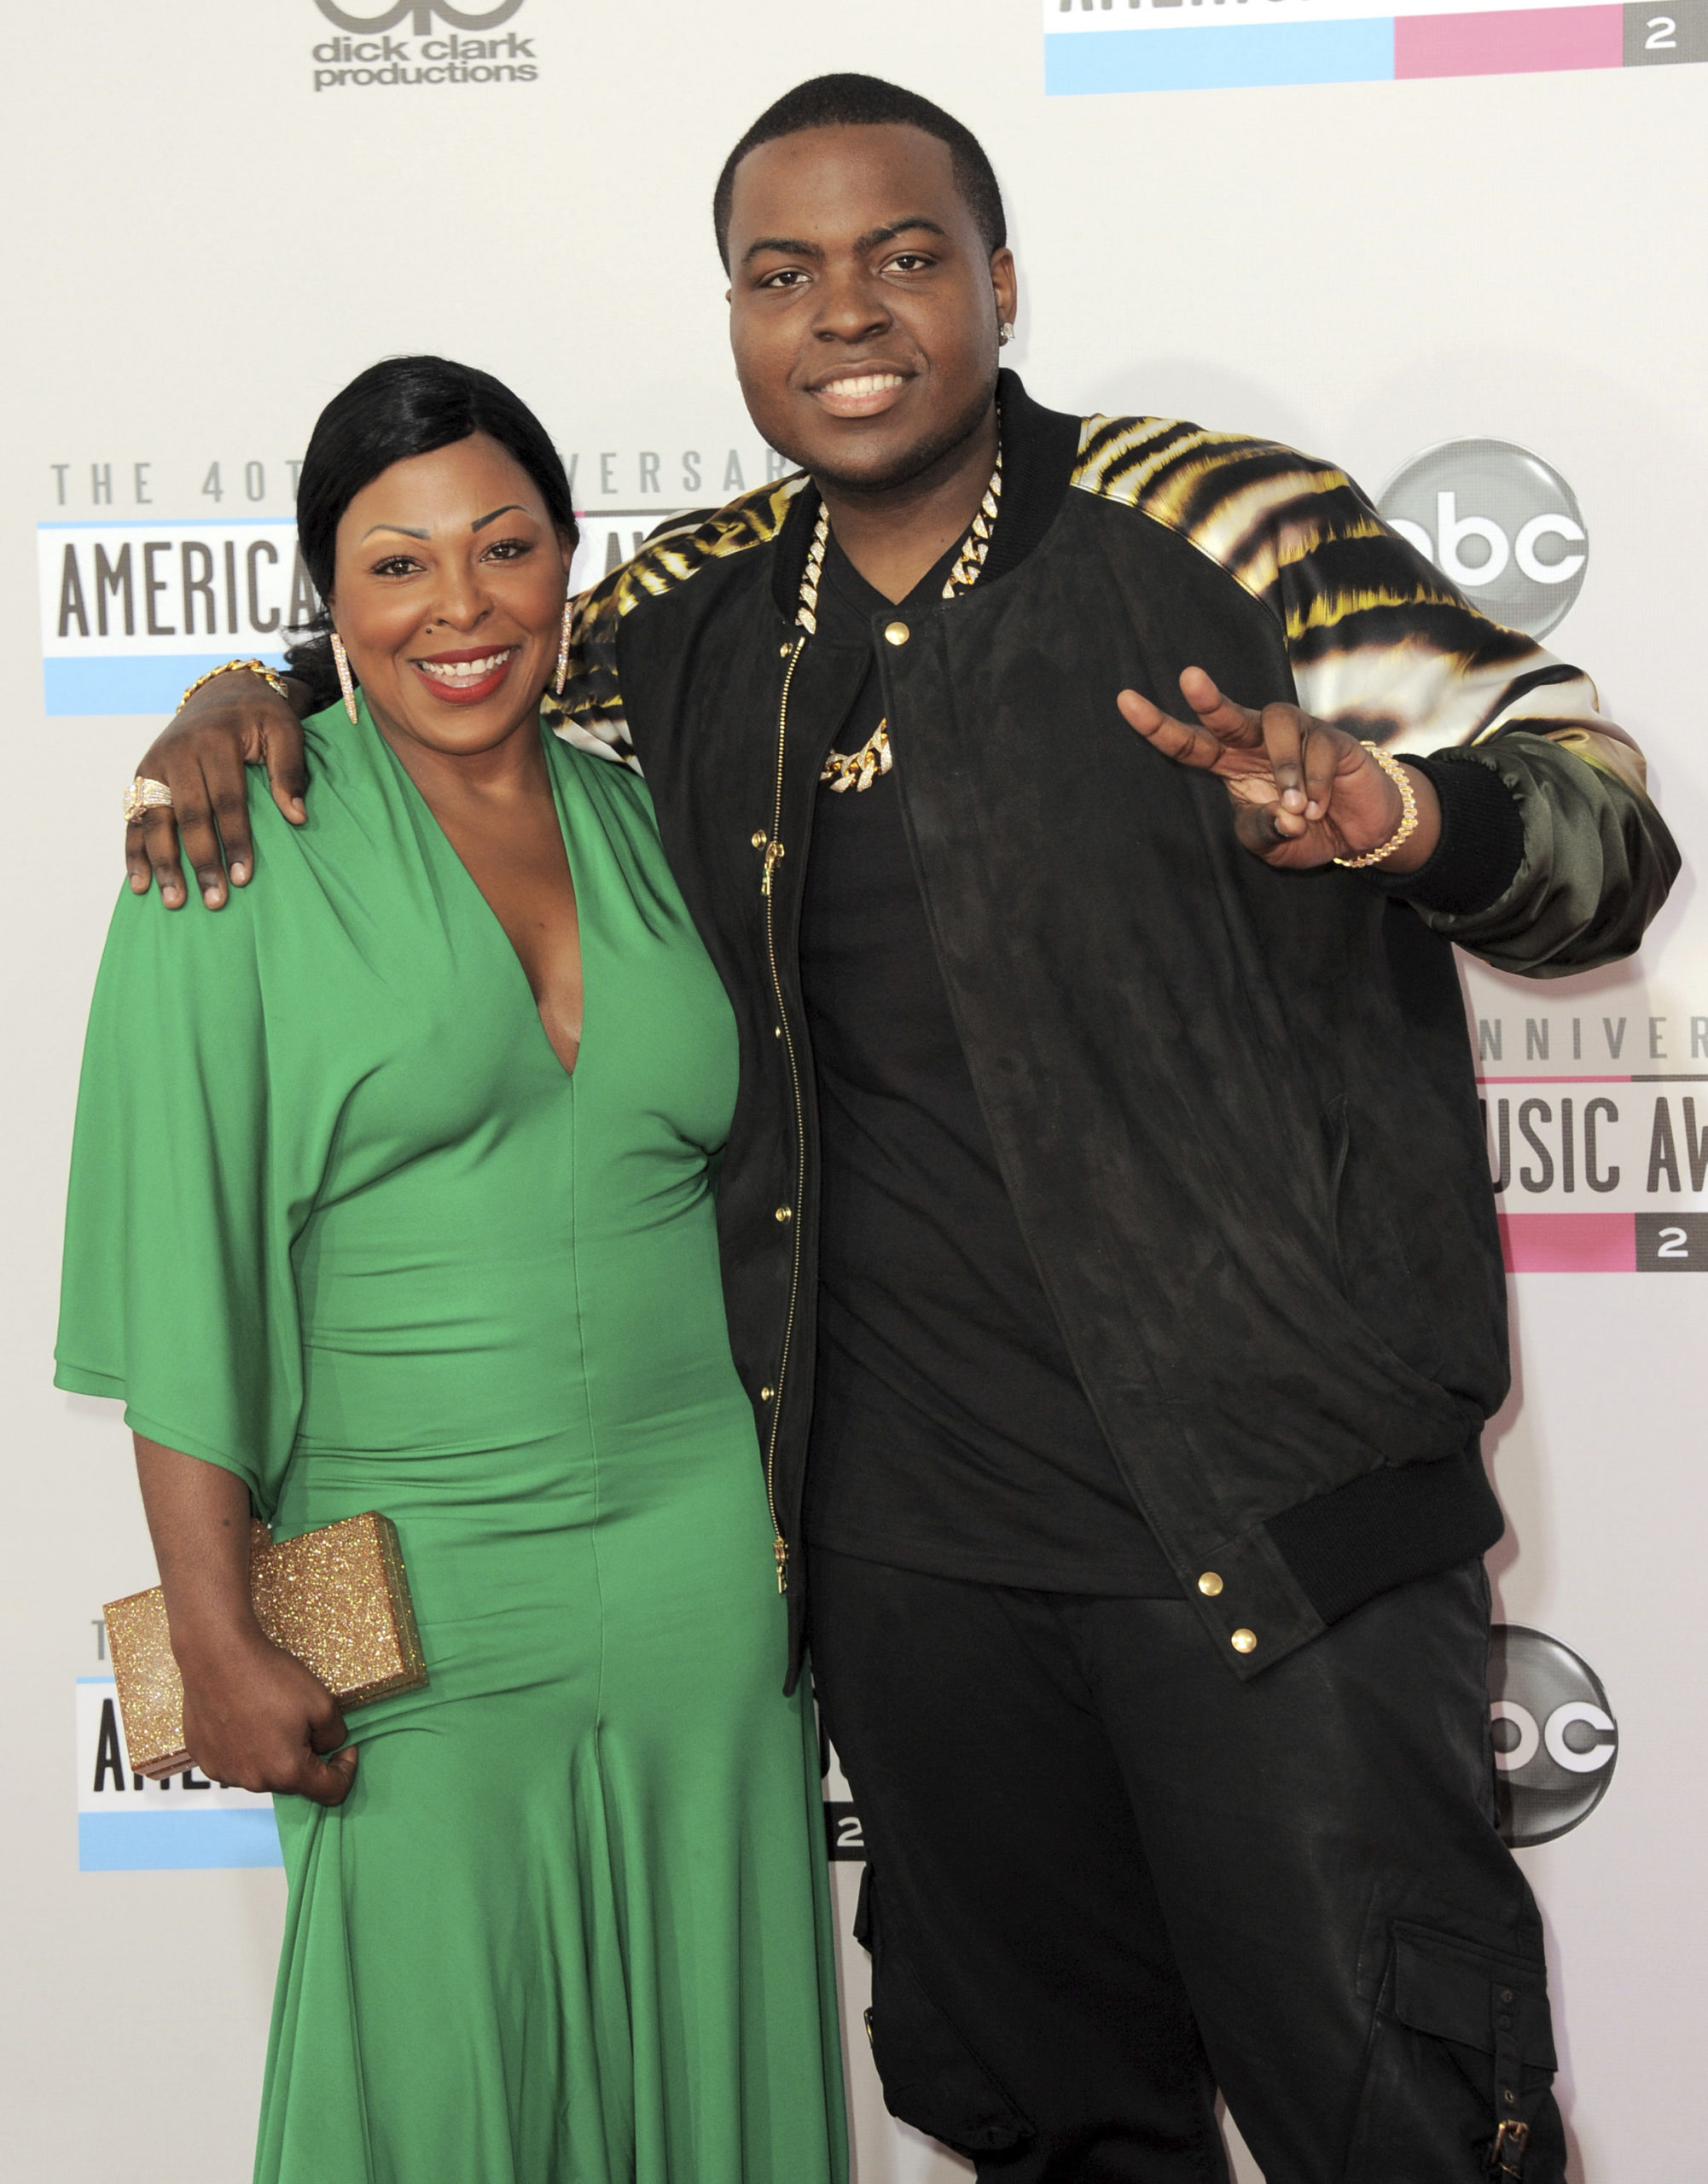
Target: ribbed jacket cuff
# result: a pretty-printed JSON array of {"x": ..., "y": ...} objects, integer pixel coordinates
[
  {"x": 1481, "y": 842},
  {"x": 1387, "y": 1527}
]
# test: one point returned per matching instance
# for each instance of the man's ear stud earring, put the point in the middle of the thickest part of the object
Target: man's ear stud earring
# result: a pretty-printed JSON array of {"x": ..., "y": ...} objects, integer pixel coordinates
[{"x": 1005, "y": 332}]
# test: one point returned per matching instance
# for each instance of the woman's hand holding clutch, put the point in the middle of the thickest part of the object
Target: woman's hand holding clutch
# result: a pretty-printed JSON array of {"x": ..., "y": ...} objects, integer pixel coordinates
[{"x": 253, "y": 1714}]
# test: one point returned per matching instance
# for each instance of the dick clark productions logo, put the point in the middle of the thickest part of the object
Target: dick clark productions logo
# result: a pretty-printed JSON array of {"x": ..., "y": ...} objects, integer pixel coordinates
[
  {"x": 1555, "y": 1738},
  {"x": 1498, "y": 522},
  {"x": 388, "y": 18},
  {"x": 367, "y": 54}
]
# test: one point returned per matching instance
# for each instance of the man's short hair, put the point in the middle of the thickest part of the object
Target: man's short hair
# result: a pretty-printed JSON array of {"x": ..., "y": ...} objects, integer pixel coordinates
[{"x": 837, "y": 101}]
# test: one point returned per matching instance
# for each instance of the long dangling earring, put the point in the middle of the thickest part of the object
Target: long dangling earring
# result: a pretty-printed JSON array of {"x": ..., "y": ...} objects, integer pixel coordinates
[
  {"x": 563, "y": 649},
  {"x": 341, "y": 661}
]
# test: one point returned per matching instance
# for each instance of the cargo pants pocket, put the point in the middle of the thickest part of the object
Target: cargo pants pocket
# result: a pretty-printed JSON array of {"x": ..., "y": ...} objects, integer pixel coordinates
[
  {"x": 930, "y": 2077},
  {"x": 1461, "y": 2070}
]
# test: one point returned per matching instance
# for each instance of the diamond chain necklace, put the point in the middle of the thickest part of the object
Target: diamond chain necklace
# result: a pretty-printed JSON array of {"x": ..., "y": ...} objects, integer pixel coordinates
[{"x": 858, "y": 769}]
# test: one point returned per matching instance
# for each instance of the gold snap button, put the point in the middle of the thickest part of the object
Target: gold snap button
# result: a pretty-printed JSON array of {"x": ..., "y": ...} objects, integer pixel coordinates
[
  {"x": 761, "y": 839},
  {"x": 785, "y": 1213},
  {"x": 897, "y": 633},
  {"x": 765, "y": 1394},
  {"x": 1244, "y": 1642},
  {"x": 1210, "y": 1585}
]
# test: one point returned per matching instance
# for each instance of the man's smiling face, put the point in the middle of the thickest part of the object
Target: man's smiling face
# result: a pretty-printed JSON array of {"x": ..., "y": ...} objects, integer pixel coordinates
[{"x": 863, "y": 302}]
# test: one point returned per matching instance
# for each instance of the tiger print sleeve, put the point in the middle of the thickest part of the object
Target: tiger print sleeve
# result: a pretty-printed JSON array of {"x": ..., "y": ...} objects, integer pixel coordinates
[
  {"x": 1553, "y": 858},
  {"x": 589, "y": 710},
  {"x": 585, "y": 705}
]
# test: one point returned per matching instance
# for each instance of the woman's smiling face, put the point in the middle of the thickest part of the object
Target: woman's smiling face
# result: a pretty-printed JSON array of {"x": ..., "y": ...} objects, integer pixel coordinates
[{"x": 448, "y": 594}]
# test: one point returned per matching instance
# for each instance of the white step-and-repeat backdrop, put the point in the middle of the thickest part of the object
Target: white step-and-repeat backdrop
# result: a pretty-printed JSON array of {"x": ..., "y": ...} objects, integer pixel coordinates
[{"x": 1460, "y": 250}]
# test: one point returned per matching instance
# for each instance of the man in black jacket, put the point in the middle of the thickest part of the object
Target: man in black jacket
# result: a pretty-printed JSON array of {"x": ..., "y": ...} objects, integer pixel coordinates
[{"x": 1108, "y": 1242}]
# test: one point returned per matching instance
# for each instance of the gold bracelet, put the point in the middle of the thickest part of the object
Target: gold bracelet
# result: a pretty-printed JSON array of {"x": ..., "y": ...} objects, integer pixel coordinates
[
  {"x": 228, "y": 666},
  {"x": 1407, "y": 827}
]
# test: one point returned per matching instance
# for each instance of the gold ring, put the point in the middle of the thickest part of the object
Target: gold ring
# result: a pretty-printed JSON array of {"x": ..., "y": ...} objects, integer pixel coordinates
[{"x": 144, "y": 795}]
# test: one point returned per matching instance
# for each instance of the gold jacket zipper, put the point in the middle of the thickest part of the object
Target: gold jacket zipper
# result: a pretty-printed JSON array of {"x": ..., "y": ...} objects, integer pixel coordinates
[{"x": 774, "y": 850}]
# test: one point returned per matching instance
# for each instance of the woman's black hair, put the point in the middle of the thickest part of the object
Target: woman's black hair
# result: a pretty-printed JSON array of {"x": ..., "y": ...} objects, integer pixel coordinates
[{"x": 405, "y": 406}]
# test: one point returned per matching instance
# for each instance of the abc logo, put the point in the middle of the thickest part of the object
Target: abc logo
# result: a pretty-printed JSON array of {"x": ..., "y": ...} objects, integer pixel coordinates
[
  {"x": 1498, "y": 522},
  {"x": 1555, "y": 1739}
]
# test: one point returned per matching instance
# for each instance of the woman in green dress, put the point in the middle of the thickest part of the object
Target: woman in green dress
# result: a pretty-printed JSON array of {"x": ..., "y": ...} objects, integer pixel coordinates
[{"x": 391, "y": 1191}]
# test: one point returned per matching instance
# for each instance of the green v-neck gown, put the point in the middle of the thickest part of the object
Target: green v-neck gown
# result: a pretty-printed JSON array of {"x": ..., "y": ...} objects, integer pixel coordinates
[{"x": 341, "y": 1222}]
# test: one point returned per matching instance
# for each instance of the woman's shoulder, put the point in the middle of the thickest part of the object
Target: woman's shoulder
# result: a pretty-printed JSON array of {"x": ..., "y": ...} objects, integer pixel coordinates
[
  {"x": 336, "y": 749},
  {"x": 289, "y": 861},
  {"x": 345, "y": 779},
  {"x": 307, "y": 916}
]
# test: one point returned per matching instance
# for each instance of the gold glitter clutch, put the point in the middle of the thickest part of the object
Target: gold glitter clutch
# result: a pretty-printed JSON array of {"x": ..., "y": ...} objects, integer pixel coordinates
[{"x": 336, "y": 1599}]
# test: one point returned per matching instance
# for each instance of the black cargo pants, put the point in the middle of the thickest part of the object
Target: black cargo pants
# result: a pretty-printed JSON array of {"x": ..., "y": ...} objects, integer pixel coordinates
[{"x": 1107, "y": 1878}]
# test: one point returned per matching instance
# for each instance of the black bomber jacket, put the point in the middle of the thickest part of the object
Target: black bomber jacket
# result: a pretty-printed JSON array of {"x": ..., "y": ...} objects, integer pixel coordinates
[{"x": 1234, "y": 1107}]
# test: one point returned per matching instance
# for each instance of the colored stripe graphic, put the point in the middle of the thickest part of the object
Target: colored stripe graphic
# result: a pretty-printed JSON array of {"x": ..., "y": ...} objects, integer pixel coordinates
[
  {"x": 140, "y": 682},
  {"x": 1569, "y": 1243},
  {"x": 1222, "y": 57},
  {"x": 1605, "y": 1243},
  {"x": 1509, "y": 43},
  {"x": 1175, "y": 54},
  {"x": 162, "y": 1842}
]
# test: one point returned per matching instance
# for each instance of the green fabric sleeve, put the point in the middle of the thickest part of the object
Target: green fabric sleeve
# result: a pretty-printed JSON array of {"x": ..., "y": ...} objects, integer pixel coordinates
[
  {"x": 178, "y": 1293},
  {"x": 1598, "y": 861}
]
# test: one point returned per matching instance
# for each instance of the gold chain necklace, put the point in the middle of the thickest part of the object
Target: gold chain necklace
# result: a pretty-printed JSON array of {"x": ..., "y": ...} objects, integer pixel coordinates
[{"x": 858, "y": 769}]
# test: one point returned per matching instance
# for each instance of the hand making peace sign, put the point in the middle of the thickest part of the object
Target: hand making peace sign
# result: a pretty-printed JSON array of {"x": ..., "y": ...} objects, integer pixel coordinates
[{"x": 1304, "y": 790}]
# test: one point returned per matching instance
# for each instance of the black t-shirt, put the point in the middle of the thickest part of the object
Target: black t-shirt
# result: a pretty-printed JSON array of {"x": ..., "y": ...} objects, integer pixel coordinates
[{"x": 950, "y": 1432}]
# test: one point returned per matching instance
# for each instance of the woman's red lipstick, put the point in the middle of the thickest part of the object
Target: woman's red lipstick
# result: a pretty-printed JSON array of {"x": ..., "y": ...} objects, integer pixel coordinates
[{"x": 460, "y": 693}]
